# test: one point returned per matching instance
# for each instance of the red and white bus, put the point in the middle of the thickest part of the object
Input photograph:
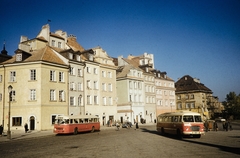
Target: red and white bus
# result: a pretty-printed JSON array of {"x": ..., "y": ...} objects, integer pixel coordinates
[
  {"x": 182, "y": 123},
  {"x": 75, "y": 124}
]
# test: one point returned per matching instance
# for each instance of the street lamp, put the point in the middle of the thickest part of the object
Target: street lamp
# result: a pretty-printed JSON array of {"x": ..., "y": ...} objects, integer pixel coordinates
[{"x": 9, "y": 111}]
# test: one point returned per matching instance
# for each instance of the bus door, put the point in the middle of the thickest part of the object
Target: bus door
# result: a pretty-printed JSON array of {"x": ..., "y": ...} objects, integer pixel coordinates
[{"x": 175, "y": 120}]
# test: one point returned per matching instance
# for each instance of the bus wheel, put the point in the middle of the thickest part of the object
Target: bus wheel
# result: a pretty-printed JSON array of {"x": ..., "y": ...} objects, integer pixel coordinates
[
  {"x": 162, "y": 131},
  {"x": 92, "y": 129},
  {"x": 179, "y": 135},
  {"x": 75, "y": 131}
]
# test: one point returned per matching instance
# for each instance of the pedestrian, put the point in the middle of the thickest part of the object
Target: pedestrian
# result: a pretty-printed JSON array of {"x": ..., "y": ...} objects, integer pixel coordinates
[
  {"x": 26, "y": 127},
  {"x": 117, "y": 125},
  {"x": 230, "y": 126},
  {"x": 1, "y": 130},
  {"x": 223, "y": 125},
  {"x": 226, "y": 125},
  {"x": 136, "y": 125},
  {"x": 206, "y": 125},
  {"x": 215, "y": 126}
]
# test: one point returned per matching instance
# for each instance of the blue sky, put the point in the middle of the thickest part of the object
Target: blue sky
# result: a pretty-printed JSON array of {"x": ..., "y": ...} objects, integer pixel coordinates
[{"x": 200, "y": 38}]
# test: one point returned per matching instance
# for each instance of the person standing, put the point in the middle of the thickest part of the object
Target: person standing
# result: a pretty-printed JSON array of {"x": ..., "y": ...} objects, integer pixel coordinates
[
  {"x": 1, "y": 130},
  {"x": 215, "y": 126},
  {"x": 137, "y": 125},
  {"x": 226, "y": 125},
  {"x": 26, "y": 127}
]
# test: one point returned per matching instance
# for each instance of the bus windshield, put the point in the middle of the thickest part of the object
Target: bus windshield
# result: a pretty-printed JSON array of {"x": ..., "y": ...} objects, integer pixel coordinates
[
  {"x": 188, "y": 118},
  {"x": 198, "y": 118}
]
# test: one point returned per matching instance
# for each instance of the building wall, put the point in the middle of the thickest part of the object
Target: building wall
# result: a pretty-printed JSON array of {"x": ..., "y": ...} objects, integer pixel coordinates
[{"x": 22, "y": 106}]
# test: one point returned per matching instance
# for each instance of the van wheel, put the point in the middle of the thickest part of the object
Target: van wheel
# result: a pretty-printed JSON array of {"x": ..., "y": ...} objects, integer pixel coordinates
[
  {"x": 75, "y": 131},
  {"x": 162, "y": 131},
  {"x": 92, "y": 129}
]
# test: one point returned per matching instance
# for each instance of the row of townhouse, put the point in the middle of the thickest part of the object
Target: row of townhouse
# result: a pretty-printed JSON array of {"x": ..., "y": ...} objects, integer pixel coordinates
[{"x": 53, "y": 74}]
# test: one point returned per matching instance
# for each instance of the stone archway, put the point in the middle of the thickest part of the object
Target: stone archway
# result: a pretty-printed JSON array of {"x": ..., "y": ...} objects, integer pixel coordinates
[{"x": 32, "y": 123}]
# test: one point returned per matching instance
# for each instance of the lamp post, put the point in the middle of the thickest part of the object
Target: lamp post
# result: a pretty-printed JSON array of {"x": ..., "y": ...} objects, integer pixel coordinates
[
  {"x": 9, "y": 111},
  {"x": 80, "y": 102}
]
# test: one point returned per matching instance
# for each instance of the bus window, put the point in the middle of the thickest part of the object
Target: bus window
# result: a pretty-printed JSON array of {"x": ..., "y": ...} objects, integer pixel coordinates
[
  {"x": 175, "y": 118},
  {"x": 86, "y": 120},
  {"x": 198, "y": 118},
  {"x": 66, "y": 121},
  {"x": 188, "y": 118},
  {"x": 71, "y": 121},
  {"x": 81, "y": 120},
  {"x": 75, "y": 121}
]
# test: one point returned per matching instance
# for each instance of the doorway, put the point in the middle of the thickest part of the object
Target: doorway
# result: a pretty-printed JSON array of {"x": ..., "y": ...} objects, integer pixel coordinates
[{"x": 32, "y": 123}]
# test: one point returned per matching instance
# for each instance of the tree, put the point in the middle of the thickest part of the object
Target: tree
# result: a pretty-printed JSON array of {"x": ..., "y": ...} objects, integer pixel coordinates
[{"x": 232, "y": 105}]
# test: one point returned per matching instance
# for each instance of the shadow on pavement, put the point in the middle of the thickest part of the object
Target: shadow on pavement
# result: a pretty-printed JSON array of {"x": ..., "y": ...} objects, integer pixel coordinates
[{"x": 234, "y": 150}]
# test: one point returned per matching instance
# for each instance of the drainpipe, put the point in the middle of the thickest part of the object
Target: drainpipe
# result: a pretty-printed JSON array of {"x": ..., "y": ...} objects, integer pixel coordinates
[{"x": 4, "y": 69}]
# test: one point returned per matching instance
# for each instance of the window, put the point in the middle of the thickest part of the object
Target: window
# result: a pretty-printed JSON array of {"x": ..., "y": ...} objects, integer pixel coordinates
[
  {"x": 135, "y": 85},
  {"x": 80, "y": 100},
  {"x": 53, "y": 43},
  {"x": 139, "y": 85},
  {"x": 95, "y": 99},
  {"x": 95, "y": 84},
  {"x": 192, "y": 96},
  {"x": 186, "y": 96},
  {"x": 130, "y": 84},
  {"x": 16, "y": 121},
  {"x": 72, "y": 101},
  {"x": 95, "y": 71},
  {"x": 192, "y": 105},
  {"x": 80, "y": 72},
  {"x": 61, "y": 76},
  {"x": 179, "y": 97},
  {"x": 78, "y": 57},
  {"x": 12, "y": 95},
  {"x": 52, "y": 95},
  {"x": 103, "y": 86},
  {"x": 88, "y": 70},
  {"x": 187, "y": 105},
  {"x": 72, "y": 71},
  {"x": 110, "y": 87},
  {"x": 104, "y": 101},
  {"x": 80, "y": 86},
  {"x": 103, "y": 74},
  {"x": 72, "y": 86},
  {"x": 88, "y": 84},
  {"x": 0, "y": 78},
  {"x": 179, "y": 106},
  {"x": 59, "y": 45},
  {"x": 61, "y": 96},
  {"x": 70, "y": 55},
  {"x": 52, "y": 75},
  {"x": 12, "y": 76},
  {"x": 32, "y": 94},
  {"x": 19, "y": 57},
  {"x": 33, "y": 74},
  {"x": 89, "y": 99},
  {"x": 110, "y": 74}
]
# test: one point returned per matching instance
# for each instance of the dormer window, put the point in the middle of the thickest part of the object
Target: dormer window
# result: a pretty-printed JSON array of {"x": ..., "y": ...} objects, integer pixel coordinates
[
  {"x": 53, "y": 43},
  {"x": 70, "y": 56},
  {"x": 59, "y": 45},
  {"x": 90, "y": 57},
  {"x": 78, "y": 57},
  {"x": 19, "y": 57}
]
